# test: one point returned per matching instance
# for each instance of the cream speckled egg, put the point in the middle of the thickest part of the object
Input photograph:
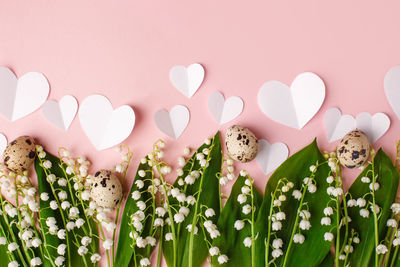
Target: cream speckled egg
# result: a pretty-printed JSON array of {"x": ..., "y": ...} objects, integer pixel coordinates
[
  {"x": 20, "y": 154},
  {"x": 106, "y": 189},
  {"x": 353, "y": 149},
  {"x": 241, "y": 143}
]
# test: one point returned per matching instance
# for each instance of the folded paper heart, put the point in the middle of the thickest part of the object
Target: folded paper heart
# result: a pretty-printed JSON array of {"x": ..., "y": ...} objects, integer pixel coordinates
[
  {"x": 3, "y": 143},
  {"x": 270, "y": 156},
  {"x": 338, "y": 125},
  {"x": 187, "y": 79},
  {"x": 61, "y": 113},
  {"x": 392, "y": 89},
  {"x": 20, "y": 97},
  {"x": 104, "y": 126},
  {"x": 174, "y": 122},
  {"x": 293, "y": 106},
  {"x": 223, "y": 110}
]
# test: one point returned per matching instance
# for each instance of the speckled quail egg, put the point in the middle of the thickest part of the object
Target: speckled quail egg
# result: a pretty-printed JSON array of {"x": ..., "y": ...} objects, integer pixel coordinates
[
  {"x": 353, "y": 149},
  {"x": 106, "y": 189},
  {"x": 20, "y": 154},
  {"x": 241, "y": 143}
]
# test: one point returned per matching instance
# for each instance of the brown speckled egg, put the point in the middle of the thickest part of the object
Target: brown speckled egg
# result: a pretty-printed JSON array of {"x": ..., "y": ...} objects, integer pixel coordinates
[
  {"x": 353, "y": 149},
  {"x": 241, "y": 143},
  {"x": 20, "y": 154},
  {"x": 106, "y": 189}
]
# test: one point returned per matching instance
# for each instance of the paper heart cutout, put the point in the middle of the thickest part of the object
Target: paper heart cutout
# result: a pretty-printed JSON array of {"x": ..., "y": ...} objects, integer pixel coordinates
[
  {"x": 20, "y": 97},
  {"x": 223, "y": 110},
  {"x": 174, "y": 122},
  {"x": 293, "y": 106},
  {"x": 374, "y": 126},
  {"x": 337, "y": 125},
  {"x": 3, "y": 143},
  {"x": 271, "y": 156},
  {"x": 61, "y": 113},
  {"x": 392, "y": 89},
  {"x": 187, "y": 79},
  {"x": 104, "y": 126}
]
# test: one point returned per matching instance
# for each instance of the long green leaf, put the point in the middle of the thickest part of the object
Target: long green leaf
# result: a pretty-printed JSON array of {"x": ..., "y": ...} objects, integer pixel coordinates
[
  {"x": 50, "y": 242},
  {"x": 388, "y": 178},
  {"x": 313, "y": 251},
  {"x": 4, "y": 255},
  {"x": 74, "y": 258},
  {"x": 230, "y": 242},
  {"x": 193, "y": 249},
  {"x": 126, "y": 251}
]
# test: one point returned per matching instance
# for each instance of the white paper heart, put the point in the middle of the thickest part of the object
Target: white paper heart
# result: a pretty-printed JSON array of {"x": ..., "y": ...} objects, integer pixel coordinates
[
  {"x": 104, "y": 126},
  {"x": 293, "y": 106},
  {"x": 270, "y": 156},
  {"x": 187, "y": 79},
  {"x": 373, "y": 126},
  {"x": 20, "y": 97},
  {"x": 392, "y": 88},
  {"x": 3, "y": 143},
  {"x": 61, "y": 113},
  {"x": 338, "y": 125},
  {"x": 223, "y": 110},
  {"x": 174, "y": 122}
]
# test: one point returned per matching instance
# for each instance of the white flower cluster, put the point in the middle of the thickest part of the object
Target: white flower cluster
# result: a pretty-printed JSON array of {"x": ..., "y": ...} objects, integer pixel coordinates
[
  {"x": 349, "y": 247},
  {"x": 20, "y": 188},
  {"x": 277, "y": 215},
  {"x": 229, "y": 171},
  {"x": 77, "y": 179}
]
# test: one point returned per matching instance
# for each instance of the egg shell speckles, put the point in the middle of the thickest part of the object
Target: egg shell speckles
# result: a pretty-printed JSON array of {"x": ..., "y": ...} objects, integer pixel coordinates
[
  {"x": 353, "y": 149},
  {"x": 20, "y": 154},
  {"x": 241, "y": 143},
  {"x": 106, "y": 189}
]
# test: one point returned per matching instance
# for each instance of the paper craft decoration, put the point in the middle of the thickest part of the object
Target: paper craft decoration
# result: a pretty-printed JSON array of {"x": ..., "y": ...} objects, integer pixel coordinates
[
  {"x": 223, "y": 110},
  {"x": 270, "y": 156},
  {"x": 374, "y": 126},
  {"x": 338, "y": 125},
  {"x": 187, "y": 79},
  {"x": 174, "y": 122},
  {"x": 20, "y": 97},
  {"x": 3, "y": 143},
  {"x": 104, "y": 126},
  {"x": 61, "y": 113},
  {"x": 392, "y": 89},
  {"x": 293, "y": 106}
]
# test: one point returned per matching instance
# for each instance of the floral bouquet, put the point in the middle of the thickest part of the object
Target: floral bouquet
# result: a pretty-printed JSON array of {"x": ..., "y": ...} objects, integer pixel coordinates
[{"x": 305, "y": 218}]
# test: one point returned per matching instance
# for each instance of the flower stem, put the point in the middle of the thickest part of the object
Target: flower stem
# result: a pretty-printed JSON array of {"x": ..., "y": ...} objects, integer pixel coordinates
[
  {"x": 195, "y": 215},
  {"x": 253, "y": 252}
]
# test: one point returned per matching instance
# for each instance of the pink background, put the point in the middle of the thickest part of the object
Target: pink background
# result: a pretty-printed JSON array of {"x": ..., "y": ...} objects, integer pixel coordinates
[{"x": 125, "y": 49}]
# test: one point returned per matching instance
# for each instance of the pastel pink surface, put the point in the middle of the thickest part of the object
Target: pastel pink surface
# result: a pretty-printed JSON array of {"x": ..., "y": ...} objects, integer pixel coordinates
[{"x": 125, "y": 49}]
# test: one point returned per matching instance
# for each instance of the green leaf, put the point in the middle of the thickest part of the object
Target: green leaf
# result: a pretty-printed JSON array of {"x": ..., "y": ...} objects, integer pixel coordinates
[
  {"x": 313, "y": 251},
  {"x": 126, "y": 250},
  {"x": 388, "y": 178},
  {"x": 50, "y": 242},
  {"x": 192, "y": 249},
  {"x": 328, "y": 261},
  {"x": 4, "y": 255},
  {"x": 230, "y": 242},
  {"x": 73, "y": 237}
]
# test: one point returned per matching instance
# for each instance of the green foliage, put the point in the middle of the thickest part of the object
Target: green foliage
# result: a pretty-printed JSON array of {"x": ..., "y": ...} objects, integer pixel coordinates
[
  {"x": 73, "y": 237},
  {"x": 388, "y": 178},
  {"x": 313, "y": 251},
  {"x": 127, "y": 251},
  {"x": 230, "y": 242},
  {"x": 192, "y": 249}
]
